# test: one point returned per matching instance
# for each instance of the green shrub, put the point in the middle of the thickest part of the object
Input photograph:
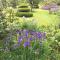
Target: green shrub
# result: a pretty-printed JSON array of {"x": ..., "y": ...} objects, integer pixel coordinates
[
  {"x": 35, "y": 6},
  {"x": 23, "y": 9},
  {"x": 3, "y": 25},
  {"x": 10, "y": 14},
  {"x": 21, "y": 14},
  {"x": 29, "y": 25},
  {"x": 23, "y": 6}
]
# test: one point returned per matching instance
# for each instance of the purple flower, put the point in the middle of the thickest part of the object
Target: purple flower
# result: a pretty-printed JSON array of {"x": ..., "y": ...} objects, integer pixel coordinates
[
  {"x": 39, "y": 35},
  {"x": 46, "y": 7},
  {"x": 20, "y": 39},
  {"x": 26, "y": 32},
  {"x": 32, "y": 32},
  {"x": 26, "y": 44},
  {"x": 30, "y": 39},
  {"x": 18, "y": 31}
]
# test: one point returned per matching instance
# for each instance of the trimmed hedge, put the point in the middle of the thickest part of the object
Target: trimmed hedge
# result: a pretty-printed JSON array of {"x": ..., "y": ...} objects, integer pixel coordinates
[
  {"x": 26, "y": 14},
  {"x": 23, "y": 6},
  {"x": 24, "y": 10}
]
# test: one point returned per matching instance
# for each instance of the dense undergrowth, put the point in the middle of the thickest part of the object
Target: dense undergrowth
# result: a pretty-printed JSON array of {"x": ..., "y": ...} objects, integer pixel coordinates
[{"x": 29, "y": 38}]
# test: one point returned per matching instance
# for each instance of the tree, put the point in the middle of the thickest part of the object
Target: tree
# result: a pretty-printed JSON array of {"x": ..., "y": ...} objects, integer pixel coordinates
[
  {"x": 3, "y": 3},
  {"x": 14, "y": 3},
  {"x": 3, "y": 25},
  {"x": 34, "y": 3}
]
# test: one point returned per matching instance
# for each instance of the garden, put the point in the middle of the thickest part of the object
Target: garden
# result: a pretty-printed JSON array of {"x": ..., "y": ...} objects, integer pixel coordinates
[{"x": 29, "y": 29}]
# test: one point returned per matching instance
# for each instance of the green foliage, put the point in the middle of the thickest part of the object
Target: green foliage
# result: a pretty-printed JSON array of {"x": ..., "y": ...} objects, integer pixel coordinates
[
  {"x": 58, "y": 13},
  {"x": 13, "y": 3},
  {"x": 47, "y": 50},
  {"x": 9, "y": 23},
  {"x": 57, "y": 36},
  {"x": 35, "y": 6},
  {"x": 21, "y": 14},
  {"x": 24, "y": 9},
  {"x": 43, "y": 52},
  {"x": 4, "y": 3},
  {"x": 10, "y": 14},
  {"x": 34, "y": 3},
  {"x": 3, "y": 25},
  {"x": 23, "y": 6},
  {"x": 29, "y": 25}
]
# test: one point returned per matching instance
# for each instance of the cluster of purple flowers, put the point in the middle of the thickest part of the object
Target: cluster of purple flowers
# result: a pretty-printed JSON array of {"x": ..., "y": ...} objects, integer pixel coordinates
[
  {"x": 51, "y": 6},
  {"x": 25, "y": 37},
  {"x": 46, "y": 7}
]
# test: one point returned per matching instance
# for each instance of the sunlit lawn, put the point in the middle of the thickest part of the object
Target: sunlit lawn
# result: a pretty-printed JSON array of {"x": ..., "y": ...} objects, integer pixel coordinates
[{"x": 43, "y": 17}]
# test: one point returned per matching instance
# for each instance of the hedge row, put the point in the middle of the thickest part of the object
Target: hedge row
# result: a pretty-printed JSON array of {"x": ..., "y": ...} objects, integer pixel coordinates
[
  {"x": 26, "y": 14},
  {"x": 23, "y": 6},
  {"x": 24, "y": 10}
]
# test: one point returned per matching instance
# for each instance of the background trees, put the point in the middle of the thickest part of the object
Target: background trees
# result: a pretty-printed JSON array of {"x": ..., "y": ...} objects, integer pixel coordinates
[
  {"x": 3, "y": 3},
  {"x": 14, "y": 3},
  {"x": 34, "y": 3}
]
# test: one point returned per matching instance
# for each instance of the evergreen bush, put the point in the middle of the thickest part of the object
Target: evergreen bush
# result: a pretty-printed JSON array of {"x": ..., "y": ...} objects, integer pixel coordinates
[
  {"x": 21, "y": 14},
  {"x": 24, "y": 10},
  {"x": 23, "y": 6}
]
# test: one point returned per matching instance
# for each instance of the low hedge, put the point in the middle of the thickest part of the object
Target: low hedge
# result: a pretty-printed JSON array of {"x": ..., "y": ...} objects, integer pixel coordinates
[
  {"x": 23, "y": 6},
  {"x": 24, "y": 10},
  {"x": 26, "y": 14}
]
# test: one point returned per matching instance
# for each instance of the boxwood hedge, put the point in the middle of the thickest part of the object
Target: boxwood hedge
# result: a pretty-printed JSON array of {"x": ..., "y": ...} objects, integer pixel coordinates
[
  {"x": 26, "y": 14},
  {"x": 24, "y": 10},
  {"x": 23, "y": 6}
]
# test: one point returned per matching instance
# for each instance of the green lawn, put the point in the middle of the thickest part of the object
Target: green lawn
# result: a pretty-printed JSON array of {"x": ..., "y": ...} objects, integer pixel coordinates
[{"x": 44, "y": 18}]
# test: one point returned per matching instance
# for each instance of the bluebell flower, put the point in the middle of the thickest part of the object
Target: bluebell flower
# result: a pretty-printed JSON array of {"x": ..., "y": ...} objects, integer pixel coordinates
[
  {"x": 32, "y": 32},
  {"x": 26, "y": 33},
  {"x": 30, "y": 39},
  {"x": 39, "y": 35},
  {"x": 18, "y": 31},
  {"x": 26, "y": 44},
  {"x": 20, "y": 39}
]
